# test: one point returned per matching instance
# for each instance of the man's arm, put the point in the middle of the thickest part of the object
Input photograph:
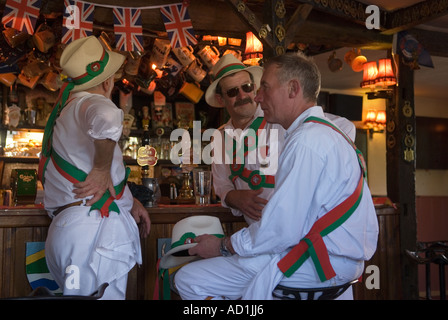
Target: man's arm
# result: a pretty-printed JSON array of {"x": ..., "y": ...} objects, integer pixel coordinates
[{"x": 99, "y": 179}]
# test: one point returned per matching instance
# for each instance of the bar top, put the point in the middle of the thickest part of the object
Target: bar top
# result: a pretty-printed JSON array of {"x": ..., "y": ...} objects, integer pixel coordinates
[{"x": 35, "y": 215}]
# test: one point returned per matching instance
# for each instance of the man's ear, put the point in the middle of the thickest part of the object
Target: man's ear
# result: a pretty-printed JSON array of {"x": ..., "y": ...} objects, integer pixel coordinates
[{"x": 293, "y": 88}]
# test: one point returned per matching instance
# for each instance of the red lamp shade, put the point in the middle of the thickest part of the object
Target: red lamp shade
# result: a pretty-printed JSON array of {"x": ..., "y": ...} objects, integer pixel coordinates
[
  {"x": 386, "y": 75},
  {"x": 369, "y": 75},
  {"x": 371, "y": 116},
  {"x": 381, "y": 117},
  {"x": 254, "y": 50}
]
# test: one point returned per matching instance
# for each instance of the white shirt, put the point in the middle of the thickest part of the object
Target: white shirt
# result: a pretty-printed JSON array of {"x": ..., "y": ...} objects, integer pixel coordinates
[
  {"x": 86, "y": 117},
  {"x": 318, "y": 169},
  {"x": 275, "y": 140}
]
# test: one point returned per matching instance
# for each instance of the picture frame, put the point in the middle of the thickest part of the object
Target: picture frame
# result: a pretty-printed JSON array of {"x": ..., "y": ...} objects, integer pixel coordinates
[{"x": 184, "y": 114}]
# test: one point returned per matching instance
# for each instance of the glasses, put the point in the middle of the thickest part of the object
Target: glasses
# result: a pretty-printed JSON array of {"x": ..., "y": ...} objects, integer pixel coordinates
[{"x": 232, "y": 93}]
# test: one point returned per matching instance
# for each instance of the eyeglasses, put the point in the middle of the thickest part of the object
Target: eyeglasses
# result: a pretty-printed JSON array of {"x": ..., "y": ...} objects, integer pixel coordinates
[{"x": 232, "y": 93}]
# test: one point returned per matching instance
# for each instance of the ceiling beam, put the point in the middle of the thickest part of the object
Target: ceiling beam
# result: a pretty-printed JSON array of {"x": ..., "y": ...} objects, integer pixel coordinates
[
  {"x": 352, "y": 10},
  {"x": 246, "y": 15},
  {"x": 420, "y": 13},
  {"x": 296, "y": 21}
]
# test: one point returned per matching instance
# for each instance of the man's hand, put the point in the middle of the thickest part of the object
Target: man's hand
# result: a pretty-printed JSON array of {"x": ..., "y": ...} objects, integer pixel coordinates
[
  {"x": 208, "y": 246},
  {"x": 99, "y": 179},
  {"x": 141, "y": 217},
  {"x": 96, "y": 184},
  {"x": 247, "y": 201}
]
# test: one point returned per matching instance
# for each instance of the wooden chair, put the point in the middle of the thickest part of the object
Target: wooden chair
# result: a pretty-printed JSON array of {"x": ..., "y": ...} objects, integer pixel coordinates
[{"x": 326, "y": 293}]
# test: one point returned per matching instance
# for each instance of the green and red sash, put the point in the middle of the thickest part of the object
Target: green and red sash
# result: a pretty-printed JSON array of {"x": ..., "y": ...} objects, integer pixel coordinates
[
  {"x": 312, "y": 245},
  {"x": 254, "y": 178},
  {"x": 66, "y": 169}
]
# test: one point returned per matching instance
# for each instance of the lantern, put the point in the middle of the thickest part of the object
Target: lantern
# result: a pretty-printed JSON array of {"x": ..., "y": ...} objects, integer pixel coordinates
[
  {"x": 385, "y": 75},
  {"x": 254, "y": 50}
]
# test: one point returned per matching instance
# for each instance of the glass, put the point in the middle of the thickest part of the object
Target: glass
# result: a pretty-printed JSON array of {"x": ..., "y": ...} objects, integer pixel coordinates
[
  {"x": 202, "y": 186},
  {"x": 153, "y": 185},
  {"x": 232, "y": 93}
]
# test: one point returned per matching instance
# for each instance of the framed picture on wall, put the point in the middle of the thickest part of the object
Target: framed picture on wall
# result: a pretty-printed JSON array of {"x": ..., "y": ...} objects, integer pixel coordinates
[
  {"x": 161, "y": 116},
  {"x": 184, "y": 114}
]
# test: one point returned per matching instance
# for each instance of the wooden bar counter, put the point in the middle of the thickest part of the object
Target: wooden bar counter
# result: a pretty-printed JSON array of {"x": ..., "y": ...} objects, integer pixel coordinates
[{"x": 20, "y": 225}]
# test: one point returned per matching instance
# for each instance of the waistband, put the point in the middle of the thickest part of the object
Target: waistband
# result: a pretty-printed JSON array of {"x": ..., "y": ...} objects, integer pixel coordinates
[{"x": 60, "y": 209}]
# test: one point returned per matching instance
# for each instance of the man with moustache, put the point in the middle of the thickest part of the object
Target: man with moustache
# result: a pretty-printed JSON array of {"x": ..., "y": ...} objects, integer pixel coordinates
[{"x": 246, "y": 188}]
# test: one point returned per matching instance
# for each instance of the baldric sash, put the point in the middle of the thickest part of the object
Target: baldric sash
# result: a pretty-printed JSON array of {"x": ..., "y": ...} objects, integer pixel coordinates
[{"x": 312, "y": 245}]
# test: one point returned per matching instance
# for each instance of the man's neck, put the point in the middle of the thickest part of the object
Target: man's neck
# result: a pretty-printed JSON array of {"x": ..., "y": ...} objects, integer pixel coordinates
[{"x": 241, "y": 123}]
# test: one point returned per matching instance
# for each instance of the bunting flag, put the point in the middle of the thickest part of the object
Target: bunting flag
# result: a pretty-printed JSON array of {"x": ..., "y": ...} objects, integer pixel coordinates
[
  {"x": 78, "y": 20},
  {"x": 128, "y": 29},
  {"x": 178, "y": 25},
  {"x": 36, "y": 268},
  {"x": 21, "y": 14}
]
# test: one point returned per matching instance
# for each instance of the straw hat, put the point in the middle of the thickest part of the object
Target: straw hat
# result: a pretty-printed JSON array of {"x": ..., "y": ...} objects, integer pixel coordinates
[
  {"x": 88, "y": 64},
  {"x": 183, "y": 236},
  {"x": 227, "y": 65}
]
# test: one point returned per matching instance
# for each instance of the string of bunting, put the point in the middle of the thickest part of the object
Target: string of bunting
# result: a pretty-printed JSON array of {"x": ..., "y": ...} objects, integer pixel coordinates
[{"x": 78, "y": 21}]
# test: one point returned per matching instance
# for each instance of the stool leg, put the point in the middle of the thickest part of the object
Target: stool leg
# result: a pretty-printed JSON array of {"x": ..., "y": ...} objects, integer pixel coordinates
[
  {"x": 442, "y": 281},
  {"x": 428, "y": 280}
]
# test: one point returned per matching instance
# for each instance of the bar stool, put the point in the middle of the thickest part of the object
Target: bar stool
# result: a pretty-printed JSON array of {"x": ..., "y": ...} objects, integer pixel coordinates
[
  {"x": 43, "y": 293},
  {"x": 327, "y": 293},
  {"x": 433, "y": 252}
]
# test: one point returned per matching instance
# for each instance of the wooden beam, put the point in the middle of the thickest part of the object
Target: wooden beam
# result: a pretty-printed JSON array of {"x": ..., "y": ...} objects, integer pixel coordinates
[
  {"x": 296, "y": 21},
  {"x": 323, "y": 29},
  {"x": 352, "y": 10},
  {"x": 401, "y": 166},
  {"x": 253, "y": 23},
  {"x": 417, "y": 14}
]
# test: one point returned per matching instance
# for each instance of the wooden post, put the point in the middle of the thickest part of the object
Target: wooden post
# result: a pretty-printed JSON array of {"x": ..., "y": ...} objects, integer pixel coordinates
[{"x": 401, "y": 164}]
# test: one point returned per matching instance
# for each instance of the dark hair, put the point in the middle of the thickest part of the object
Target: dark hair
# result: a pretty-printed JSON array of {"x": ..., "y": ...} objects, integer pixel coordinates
[{"x": 296, "y": 65}]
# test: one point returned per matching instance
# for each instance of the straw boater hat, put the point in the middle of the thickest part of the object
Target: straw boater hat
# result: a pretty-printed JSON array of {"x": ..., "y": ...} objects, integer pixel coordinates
[
  {"x": 227, "y": 65},
  {"x": 88, "y": 64},
  {"x": 182, "y": 239}
]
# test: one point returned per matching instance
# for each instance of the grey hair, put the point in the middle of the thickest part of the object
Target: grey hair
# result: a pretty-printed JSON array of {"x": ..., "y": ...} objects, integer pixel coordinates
[{"x": 296, "y": 65}]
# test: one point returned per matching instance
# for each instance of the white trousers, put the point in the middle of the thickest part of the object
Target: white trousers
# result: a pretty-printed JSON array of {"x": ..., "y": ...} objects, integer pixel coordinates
[
  {"x": 84, "y": 251},
  {"x": 255, "y": 278}
]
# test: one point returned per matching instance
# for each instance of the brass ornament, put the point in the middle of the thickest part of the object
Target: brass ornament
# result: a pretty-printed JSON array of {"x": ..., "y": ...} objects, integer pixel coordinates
[
  {"x": 391, "y": 142},
  {"x": 409, "y": 155},
  {"x": 407, "y": 109},
  {"x": 264, "y": 30},
  {"x": 280, "y": 32},
  {"x": 251, "y": 18},
  {"x": 241, "y": 7},
  {"x": 391, "y": 126},
  {"x": 280, "y": 10},
  {"x": 409, "y": 141},
  {"x": 280, "y": 50}
]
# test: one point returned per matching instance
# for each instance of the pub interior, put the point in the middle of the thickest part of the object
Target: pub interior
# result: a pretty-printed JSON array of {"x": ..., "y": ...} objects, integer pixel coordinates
[{"x": 399, "y": 111}]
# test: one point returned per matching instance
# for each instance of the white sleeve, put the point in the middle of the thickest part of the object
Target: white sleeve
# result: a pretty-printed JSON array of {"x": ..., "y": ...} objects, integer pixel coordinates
[{"x": 104, "y": 120}]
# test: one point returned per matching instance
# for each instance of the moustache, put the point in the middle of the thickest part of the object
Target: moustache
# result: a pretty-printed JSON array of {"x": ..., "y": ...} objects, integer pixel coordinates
[{"x": 242, "y": 102}]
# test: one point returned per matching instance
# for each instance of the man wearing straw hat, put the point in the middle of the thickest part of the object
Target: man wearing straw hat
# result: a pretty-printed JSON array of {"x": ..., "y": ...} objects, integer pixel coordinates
[
  {"x": 246, "y": 188},
  {"x": 94, "y": 237}
]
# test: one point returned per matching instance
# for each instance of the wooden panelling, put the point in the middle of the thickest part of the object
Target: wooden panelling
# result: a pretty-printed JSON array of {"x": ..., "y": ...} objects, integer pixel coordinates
[
  {"x": 18, "y": 227},
  {"x": 386, "y": 258},
  {"x": 15, "y": 232}
]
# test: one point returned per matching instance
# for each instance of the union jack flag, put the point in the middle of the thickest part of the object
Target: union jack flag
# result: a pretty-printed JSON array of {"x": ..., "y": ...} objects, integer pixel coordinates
[
  {"x": 78, "y": 20},
  {"x": 21, "y": 14},
  {"x": 178, "y": 25},
  {"x": 128, "y": 29}
]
